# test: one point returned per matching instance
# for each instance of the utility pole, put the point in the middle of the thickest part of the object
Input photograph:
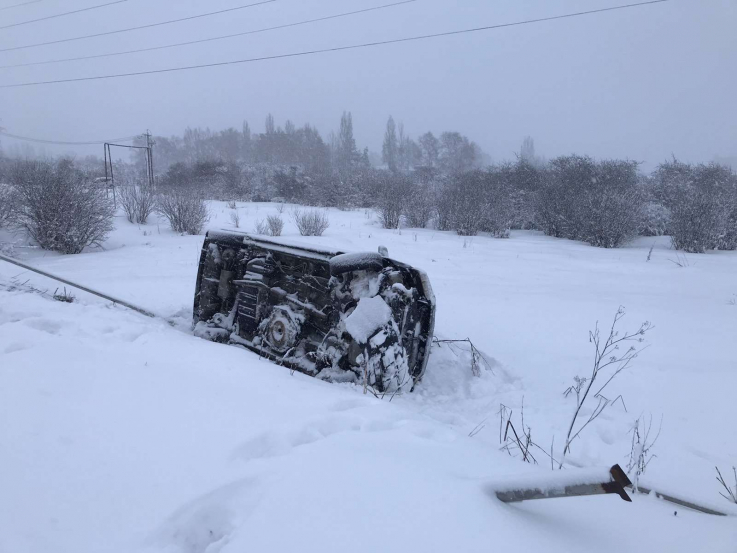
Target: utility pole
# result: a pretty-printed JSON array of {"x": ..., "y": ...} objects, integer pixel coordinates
[
  {"x": 109, "y": 180},
  {"x": 150, "y": 156}
]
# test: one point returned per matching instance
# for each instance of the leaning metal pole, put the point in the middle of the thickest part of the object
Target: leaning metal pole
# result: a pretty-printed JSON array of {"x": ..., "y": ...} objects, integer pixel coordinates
[{"x": 92, "y": 291}]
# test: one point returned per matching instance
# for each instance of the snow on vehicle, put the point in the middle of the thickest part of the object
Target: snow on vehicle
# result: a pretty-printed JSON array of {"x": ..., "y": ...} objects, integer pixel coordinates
[{"x": 358, "y": 317}]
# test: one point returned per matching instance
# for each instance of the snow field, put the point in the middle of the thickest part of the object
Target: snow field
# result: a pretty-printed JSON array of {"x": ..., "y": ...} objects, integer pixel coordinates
[{"x": 121, "y": 433}]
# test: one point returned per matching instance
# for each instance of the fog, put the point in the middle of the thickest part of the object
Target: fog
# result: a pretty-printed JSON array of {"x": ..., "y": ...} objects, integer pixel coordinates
[{"x": 644, "y": 83}]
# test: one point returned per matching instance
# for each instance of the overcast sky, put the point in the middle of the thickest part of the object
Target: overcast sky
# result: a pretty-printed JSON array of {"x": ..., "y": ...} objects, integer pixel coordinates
[{"x": 642, "y": 83}]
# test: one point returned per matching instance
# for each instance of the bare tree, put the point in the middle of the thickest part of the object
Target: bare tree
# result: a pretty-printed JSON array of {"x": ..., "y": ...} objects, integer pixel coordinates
[{"x": 59, "y": 207}]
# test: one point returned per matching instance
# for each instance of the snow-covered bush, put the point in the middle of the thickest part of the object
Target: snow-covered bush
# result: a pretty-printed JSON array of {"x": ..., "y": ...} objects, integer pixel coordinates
[
  {"x": 728, "y": 239},
  {"x": 445, "y": 208},
  {"x": 597, "y": 202},
  {"x": 138, "y": 202},
  {"x": 275, "y": 224},
  {"x": 185, "y": 209},
  {"x": 613, "y": 205},
  {"x": 476, "y": 201},
  {"x": 311, "y": 223},
  {"x": 471, "y": 204},
  {"x": 395, "y": 192},
  {"x": 500, "y": 203},
  {"x": 655, "y": 220},
  {"x": 7, "y": 204},
  {"x": 419, "y": 207},
  {"x": 261, "y": 227},
  {"x": 59, "y": 207},
  {"x": 697, "y": 221},
  {"x": 214, "y": 178},
  {"x": 522, "y": 181},
  {"x": 271, "y": 226},
  {"x": 703, "y": 204}
]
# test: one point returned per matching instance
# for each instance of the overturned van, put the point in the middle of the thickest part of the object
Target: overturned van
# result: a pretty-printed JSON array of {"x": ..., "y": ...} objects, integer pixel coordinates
[{"x": 344, "y": 317}]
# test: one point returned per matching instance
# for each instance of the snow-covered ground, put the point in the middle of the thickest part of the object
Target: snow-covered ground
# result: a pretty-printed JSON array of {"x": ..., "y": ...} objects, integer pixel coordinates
[{"x": 122, "y": 433}]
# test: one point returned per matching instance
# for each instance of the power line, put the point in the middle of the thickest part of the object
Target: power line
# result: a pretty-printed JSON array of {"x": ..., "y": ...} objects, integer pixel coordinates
[
  {"x": 61, "y": 14},
  {"x": 107, "y": 33},
  {"x": 336, "y": 16},
  {"x": 19, "y": 5},
  {"x": 339, "y": 48},
  {"x": 63, "y": 143}
]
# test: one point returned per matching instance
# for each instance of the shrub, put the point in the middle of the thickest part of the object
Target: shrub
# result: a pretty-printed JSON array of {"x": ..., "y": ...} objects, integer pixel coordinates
[
  {"x": 559, "y": 203},
  {"x": 655, "y": 220},
  {"x": 261, "y": 227},
  {"x": 445, "y": 206},
  {"x": 702, "y": 200},
  {"x": 470, "y": 206},
  {"x": 500, "y": 201},
  {"x": 613, "y": 205},
  {"x": 419, "y": 207},
  {"x": 728, "y": 240},
  {"x": 186, "y": 211},
  {"x": 698, "y": 218},
  {"x": 59, "y": 207},
  {"x": 521, "y": 182},
  {"x": 311, "y": 223},
  {"x": 7, "y": 204},
  {"x": 596, "y": 202},
  {"x": 276, "y": 225},
  {"x": 395, "y": 191},
  {"x": 138, "y": 202}
]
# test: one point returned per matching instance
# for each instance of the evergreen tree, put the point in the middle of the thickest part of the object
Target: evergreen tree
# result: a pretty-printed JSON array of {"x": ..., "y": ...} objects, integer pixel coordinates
[
  {"x": 246, "y": 144},
  {"x": 347, "y": 153},
  {"x": 270, "y": 129},
  {"x": 390, "y": 148}
]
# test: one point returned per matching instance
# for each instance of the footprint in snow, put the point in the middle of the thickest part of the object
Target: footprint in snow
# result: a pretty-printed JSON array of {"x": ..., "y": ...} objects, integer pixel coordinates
[
  {"x": 15, "y": 346},
  {"x": 206, "y": 524},
  {"x": 44, "y": 325},
  {"x": 276, "y": 443}
]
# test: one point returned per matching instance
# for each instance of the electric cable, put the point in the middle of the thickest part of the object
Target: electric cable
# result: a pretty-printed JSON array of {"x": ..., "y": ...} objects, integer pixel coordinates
[
  {"x": 336, "y": 48},
  {"x": 148, "y": 26},
  {"x": 211, "y": 39}
]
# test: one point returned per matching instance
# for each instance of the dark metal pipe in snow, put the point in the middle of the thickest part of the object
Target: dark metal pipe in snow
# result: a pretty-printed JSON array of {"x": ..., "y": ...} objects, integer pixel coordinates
[
  {"x": 568, "y": 484},
  {"x": 92, "y": 291},
  {"x": 584, "y": 482}
]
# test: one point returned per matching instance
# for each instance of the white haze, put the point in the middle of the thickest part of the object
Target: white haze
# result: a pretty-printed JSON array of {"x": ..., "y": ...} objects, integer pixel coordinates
[{"x": 643, "y": 83}]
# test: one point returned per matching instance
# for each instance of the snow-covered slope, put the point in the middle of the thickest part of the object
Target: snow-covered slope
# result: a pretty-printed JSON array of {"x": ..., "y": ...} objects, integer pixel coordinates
[{"x": 121, "y": 433}]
